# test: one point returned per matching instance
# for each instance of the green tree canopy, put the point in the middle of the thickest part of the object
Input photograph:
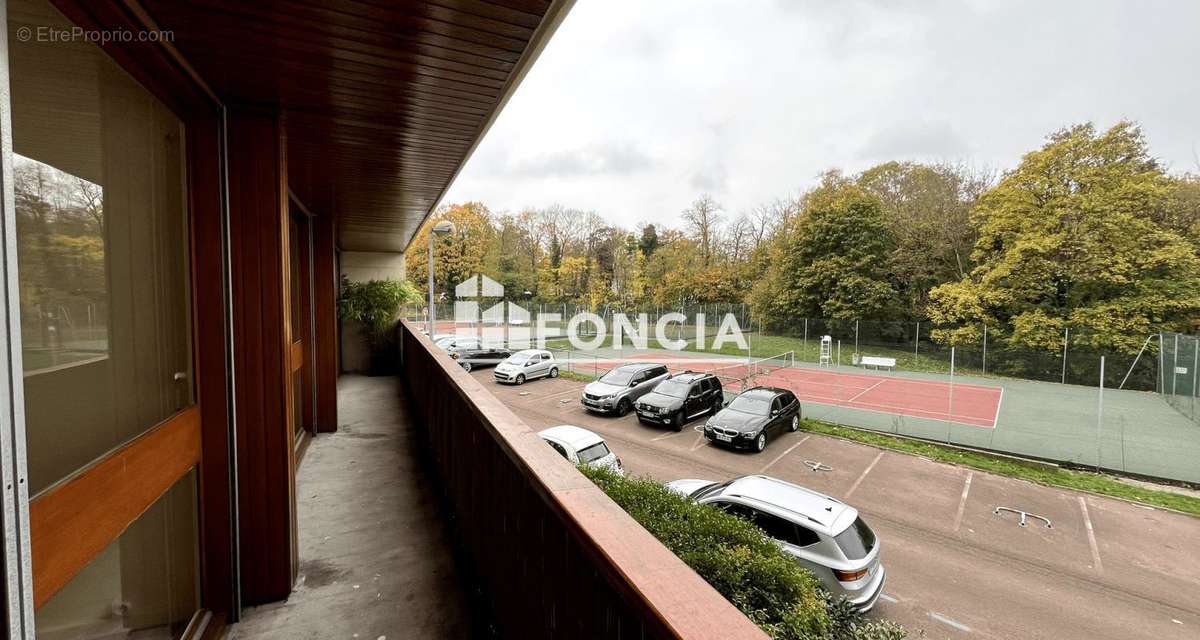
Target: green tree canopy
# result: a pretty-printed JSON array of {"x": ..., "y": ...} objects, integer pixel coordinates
[
  {"x": 831, "y": 261},
  {"x": 1070, "y": 238}
]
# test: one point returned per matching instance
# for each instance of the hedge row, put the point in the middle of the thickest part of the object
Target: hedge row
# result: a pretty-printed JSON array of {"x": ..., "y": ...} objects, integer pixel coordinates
[{"x": 740, "y": 562}]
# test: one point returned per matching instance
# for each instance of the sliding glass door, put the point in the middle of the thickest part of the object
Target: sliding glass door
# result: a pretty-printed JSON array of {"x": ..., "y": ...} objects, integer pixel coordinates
[{"x": 111, "y": 428}]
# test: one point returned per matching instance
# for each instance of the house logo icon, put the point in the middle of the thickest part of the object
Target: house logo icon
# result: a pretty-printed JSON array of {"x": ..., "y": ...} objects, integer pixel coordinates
[{"x": 479, "y": 304}]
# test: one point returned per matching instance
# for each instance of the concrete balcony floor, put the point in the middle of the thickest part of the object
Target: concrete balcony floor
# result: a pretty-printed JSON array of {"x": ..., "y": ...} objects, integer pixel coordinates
[{"x": 374, "y": 557}]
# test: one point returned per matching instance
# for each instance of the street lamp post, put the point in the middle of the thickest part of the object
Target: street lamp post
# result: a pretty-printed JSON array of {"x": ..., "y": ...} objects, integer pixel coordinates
[{"x": 442, "y": 228}]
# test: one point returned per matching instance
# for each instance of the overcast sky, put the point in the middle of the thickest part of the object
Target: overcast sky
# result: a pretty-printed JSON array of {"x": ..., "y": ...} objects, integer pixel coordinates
[{"x": 636, "y": 108}]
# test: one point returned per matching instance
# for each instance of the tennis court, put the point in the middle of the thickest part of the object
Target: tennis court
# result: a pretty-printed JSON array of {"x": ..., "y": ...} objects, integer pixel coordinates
[{"x": 972, "y": 404}]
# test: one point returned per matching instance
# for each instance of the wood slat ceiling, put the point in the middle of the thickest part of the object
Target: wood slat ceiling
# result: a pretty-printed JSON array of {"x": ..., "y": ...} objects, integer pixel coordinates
[{"x": 382, "y": 101}]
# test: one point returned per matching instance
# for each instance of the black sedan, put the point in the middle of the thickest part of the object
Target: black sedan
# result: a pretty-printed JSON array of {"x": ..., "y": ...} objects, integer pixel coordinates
[
  {"x": 474, "y": 356},
  {"x": 754, "y": 417}
]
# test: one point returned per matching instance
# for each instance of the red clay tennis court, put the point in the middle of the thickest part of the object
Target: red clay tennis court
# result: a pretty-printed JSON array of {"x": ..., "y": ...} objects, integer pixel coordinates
[{"x": 972, "y": 404}]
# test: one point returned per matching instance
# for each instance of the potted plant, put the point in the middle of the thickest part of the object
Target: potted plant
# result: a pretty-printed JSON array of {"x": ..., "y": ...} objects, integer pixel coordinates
[{"x": 375, "y": 304}]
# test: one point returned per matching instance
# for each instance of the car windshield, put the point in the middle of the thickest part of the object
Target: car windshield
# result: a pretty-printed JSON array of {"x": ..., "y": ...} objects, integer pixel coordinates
[
  {"x": 673, "y": 388},
  {"x": 620, "y": 377},
  {"x": 857, "y": 540},
  {"x": 517, "y": 358},
  {"x": 758, "y": 405},
  {"x": 594, "y": 452}
]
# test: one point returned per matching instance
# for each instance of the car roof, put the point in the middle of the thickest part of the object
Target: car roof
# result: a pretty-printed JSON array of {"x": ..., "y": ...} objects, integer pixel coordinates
[
  {"x": 637, "y": 366},
  {"x": 690, "y": 376},
  {"x": 577, "y": 437},
  {"x": 530, "y": 352},
  {"x": 811, "y": 506},
  {"x": 769, "y": 392}
]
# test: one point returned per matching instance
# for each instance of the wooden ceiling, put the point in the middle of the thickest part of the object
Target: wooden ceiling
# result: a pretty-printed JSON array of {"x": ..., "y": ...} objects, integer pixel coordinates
[{"x": 382, "y": 101}]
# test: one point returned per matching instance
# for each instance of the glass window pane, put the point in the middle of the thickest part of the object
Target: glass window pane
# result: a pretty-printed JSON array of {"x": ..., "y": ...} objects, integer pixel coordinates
[
  {"x": 102, "y": 249},
  {"x": 144, "y": 585}
]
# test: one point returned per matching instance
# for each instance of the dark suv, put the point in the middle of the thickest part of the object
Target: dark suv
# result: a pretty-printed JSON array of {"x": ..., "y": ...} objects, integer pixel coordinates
[{"x": 680, "y": 398}]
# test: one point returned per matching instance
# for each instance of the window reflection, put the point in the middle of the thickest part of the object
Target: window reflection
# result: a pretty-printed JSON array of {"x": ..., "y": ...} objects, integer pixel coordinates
[{"x": 60, "y": 244}]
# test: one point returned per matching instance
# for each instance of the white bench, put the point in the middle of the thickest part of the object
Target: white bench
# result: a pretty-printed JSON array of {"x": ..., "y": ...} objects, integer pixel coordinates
[{"x": 878, "y": 362}]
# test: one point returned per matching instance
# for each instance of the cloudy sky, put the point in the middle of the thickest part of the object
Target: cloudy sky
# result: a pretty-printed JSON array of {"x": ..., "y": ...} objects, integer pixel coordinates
[{"x": 636, "y": 107}]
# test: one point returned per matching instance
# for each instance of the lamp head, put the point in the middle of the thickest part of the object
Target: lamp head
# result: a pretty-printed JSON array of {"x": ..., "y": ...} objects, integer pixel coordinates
[{"x": 443, "y": 227}]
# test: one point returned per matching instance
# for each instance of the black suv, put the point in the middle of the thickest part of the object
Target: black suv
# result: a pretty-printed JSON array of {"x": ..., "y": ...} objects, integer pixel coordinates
[{"x": 680, "y": 398}]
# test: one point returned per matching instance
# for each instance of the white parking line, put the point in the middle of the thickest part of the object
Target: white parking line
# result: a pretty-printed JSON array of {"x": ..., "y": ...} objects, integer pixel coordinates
[
  {"x": 952, "y": 623},
  {"x": 700, "y": 442},
  {"x": 886, "y": 598},
  {"x": 555, "y": 395},
  {"x": 962, "y": 502},
  {"x": 864, "y": 475},
  {"x": 669, "y": 434},
  {"x": 1087, "y": 520},
  {"x": 780, "y": 456}
]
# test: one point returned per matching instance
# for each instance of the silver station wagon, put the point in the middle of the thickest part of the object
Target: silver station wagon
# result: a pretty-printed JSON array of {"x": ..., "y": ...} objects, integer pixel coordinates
[
  {"x": 823, "y": 534},
  {"x": 617, "y": 390}
]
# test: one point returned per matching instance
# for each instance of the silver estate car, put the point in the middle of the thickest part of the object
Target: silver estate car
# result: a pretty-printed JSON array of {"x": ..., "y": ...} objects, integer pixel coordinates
[
  {"x": 526, "y": 365},
  {"x": 619, "y": 388},
  {"x": 825, "y": 535}
]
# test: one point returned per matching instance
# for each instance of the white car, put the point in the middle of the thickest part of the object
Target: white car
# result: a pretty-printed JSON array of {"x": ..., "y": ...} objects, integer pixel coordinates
[
  {"x": 823, "y": 534},
  {"x": 526, "y": 365},
  {"x": 580, "y": 446}
]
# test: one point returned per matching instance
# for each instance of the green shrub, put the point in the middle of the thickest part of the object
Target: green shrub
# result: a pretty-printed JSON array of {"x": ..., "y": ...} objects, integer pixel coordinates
[
  {"x": 375, "y": 303},
  {"x": 741, "y": 563}
]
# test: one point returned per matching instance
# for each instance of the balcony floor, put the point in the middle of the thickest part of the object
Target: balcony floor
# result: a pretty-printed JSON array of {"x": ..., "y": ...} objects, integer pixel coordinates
[{"x": 374, "y": 558}]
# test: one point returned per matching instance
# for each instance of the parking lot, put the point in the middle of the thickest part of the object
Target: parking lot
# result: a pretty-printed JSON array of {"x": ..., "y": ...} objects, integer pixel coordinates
[{"x": 1103, "y": 568}]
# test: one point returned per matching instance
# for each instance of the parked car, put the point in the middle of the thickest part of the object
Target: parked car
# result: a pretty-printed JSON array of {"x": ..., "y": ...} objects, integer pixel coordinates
[
  {"x": 680, "y": 398},
  {"x": 581, "y": 446},
  {"x": 822, "y": 533},
  {"x": 619, "y": 388},
  {"x": 446, "y": 343},
  {"x": 526, "y": 365},
  {"x": 753, "y": 417},
  {"x": 471, "y": 356}
]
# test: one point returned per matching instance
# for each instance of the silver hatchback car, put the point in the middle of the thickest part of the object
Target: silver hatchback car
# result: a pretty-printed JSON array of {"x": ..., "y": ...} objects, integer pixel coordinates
[
  {"x": 823, "y": 534},
  {"x": 526, "y": 365},
  {"x": 620, "y": 387}
]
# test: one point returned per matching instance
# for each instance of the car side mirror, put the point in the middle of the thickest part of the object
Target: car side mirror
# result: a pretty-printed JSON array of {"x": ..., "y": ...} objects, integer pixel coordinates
[
  {"x": 634, "y": 383},
  {"x": 775, "y": 412}
]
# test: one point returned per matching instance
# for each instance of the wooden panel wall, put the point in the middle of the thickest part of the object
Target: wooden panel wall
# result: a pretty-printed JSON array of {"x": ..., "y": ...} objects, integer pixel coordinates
[
  {"x": 261, "y": 318},
  {"x": 325, "y": 290},
  {"x": 211, "y": 366}
]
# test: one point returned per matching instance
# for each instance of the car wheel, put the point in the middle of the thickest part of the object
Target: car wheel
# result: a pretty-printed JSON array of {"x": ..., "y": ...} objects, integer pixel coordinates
[
  {"x": 760, "y": 442},
  {"x": 520, "y": 378},
  {"x": 553, "y": 372},
  {"x": 466, "y": 367},
  {"x": 678, "y": 421},
  {"x": 623, "y": 407},
  {"x": 795, "y": 423}
]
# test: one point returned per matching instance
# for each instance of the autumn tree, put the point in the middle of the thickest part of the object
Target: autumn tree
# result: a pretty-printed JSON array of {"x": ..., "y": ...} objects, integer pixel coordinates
[
  {"x": 704, "y": 219},
  {"x": 1070, "y": 238},
  {"x": 456, "y": 256},
  {"x": 831, "y": 261}
]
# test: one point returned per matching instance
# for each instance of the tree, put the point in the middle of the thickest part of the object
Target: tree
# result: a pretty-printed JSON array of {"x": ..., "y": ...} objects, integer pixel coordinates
[
  {"x": 927, "y": 208},
  {"x": 456, "y": 256},
  {"x": 648, "y": 241},
  {"x": 831, "y": 262},
  {"x": 1070, "y": 238},
  {"x": 704, "y": 220}
]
